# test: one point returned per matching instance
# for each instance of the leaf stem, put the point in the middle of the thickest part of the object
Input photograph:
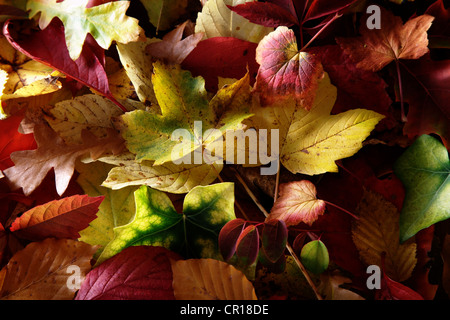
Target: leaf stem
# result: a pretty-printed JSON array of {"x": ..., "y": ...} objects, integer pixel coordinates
[
  {"x": 277, "y": 183},
  {"x": 400, "y": 89},
  {"x": 342, "y": 209},
  {"x": 321, "y": 30}
]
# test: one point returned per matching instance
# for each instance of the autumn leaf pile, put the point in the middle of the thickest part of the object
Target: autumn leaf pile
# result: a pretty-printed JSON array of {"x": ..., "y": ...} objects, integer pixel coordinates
[{"x": 95, "y": 204}]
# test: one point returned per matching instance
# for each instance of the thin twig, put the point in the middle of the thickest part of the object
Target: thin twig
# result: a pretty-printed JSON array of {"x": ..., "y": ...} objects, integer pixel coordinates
[
  {"x": 321, "y": 30},
  {"x": 288, "y": 246},
  {"x": 400, "y": 89}
]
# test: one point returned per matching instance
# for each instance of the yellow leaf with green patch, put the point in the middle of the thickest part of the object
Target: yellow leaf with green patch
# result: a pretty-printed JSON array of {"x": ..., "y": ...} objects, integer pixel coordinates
[
  {"x": 192, "y": 233},
  {"x": 116, "y": 209},
  {"x": 185, "y": 108}
]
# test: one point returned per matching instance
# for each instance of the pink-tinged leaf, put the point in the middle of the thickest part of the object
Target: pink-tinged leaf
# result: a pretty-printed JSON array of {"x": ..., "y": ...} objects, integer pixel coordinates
[
  {"x": 48, "y": 47},
  {"x": 228, "y": 237},
  {"x": 284, "y": 70},
  {"x": 59, "y": 219},
  {"x": 136, "y": 273},
  {"x": 274, "y": 238},
  {"x": 265, "y": 13},
  {"x": 226, "y": 57},
  {"x": 172, "y": 48},
  {"x": 247, "y": 245},
  {"x": 297, "y": 203}
]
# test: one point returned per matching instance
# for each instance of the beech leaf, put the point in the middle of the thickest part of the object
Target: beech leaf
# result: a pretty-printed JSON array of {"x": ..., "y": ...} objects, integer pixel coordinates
[
  {"x": 247, "y": 246},
  {"x": 424, "y": 169},
  {"x": 136, "y": 273},
  {"x": 297, "y": 203},
  {"x": 273, "y": 239},
  {"x": 58, "y": 218},
  {"x": 209, "y": 279},
  {"x": 41, "y": 270},
  {"x": 393, "y": 41},
  {"x": 376, "y": 232}
]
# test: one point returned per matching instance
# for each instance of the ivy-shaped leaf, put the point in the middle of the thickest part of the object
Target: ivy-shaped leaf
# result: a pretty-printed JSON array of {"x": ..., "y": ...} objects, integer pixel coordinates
[{"x": 192, "y": 233}]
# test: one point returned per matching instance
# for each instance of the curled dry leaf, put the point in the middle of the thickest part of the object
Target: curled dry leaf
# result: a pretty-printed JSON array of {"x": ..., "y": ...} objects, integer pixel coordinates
[{"x": 209, "y": 279}]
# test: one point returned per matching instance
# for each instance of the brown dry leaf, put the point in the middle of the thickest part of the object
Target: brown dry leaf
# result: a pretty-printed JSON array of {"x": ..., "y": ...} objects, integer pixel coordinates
[
  {"x": 41, "y": 270},
  {"x": 378, "y": 47},
  {"x": 172, "y": 49},
  {"x": 31, "y": 166},
  {"x": 377, "y": 231},
  {"x": 209, "y": 279}
]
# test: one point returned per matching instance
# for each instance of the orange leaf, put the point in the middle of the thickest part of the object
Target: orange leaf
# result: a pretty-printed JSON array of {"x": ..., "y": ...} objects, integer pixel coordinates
[
  {"x": 57, "y": 219},
  {"x": 209, "y": 279},
  {"x": 297, "y": 203},
  {"x": 41, "y": 270},
  {"x": 378, "y": 47}
]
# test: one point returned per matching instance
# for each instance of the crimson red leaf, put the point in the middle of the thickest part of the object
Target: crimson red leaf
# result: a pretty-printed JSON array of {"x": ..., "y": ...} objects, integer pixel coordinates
[
  {"x": 12, "y": 140},
  {"x": 265, "y": 13},
  {"x": 426, "y": 86},
  {"x": 352, "y": 84},
  {"x": 60, "y": 219},
  {"x": 48, "y": 47},
  {"x": 274, "y": 239},
  {"x": 247, "y": 245},
  {"x": 226, "y": 57},
  {"x": 136, "y": 273},
  {"x": 228, "y": 236},
  {"x": 321, "y": 8}
]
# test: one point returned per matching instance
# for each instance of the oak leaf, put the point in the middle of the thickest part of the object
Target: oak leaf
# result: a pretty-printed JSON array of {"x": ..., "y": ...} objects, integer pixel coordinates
[
  {"x": 31, "y": 166},
  {"x": 172, "y": 48},
  {"x": 209, "y": 279}
]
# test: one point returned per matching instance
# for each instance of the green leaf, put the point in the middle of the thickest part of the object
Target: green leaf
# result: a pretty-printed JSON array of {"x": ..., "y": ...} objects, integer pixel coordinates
[
  {"x": 184, "y": 106},
  {"x": 106, "y": 22},
  {"x": 193, "y": 233},
  {"x": 116, "y": 209},
  {"x": 163, "y": 13},
  {"x": 424, "y": 169},
  {"x": 315, "y": 257}
]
